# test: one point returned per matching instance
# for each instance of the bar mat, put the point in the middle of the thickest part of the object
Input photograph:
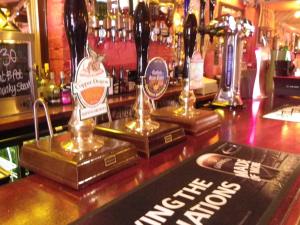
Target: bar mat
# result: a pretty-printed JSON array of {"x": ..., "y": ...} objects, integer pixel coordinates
[
  {"x": 226, "y": 184},
  {"x": 288, "y": 113}
]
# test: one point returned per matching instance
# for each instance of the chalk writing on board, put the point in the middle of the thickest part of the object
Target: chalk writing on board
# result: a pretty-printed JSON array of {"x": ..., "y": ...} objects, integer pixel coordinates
[{"x": 14, "y": 70}]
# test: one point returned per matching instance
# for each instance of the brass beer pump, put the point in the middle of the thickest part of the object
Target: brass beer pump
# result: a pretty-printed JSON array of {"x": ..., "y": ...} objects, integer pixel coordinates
[
  {"x": 77, "y": 157},
  {"x": 194, "y": 121},
  {"x": 146, "y": 134}
]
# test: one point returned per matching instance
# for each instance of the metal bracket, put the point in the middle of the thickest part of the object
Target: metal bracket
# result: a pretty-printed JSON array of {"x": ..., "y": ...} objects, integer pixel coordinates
[{"x": 36, "y": 121}]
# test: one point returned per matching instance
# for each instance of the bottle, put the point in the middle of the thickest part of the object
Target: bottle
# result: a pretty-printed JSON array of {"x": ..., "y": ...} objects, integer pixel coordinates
[
  {"x": 112, "y": 9},
  {"x": 101, "y": 32},
  {"x": 141, "y": 29},
  {"x": 122, "y": 82},
  {"x": 189, "y": 38},
  {"x": 44, "y": 81},
  {"x": 131, "y": 80},
  {"x": 65, "y": 91},
  {"x": 101, "y": 9},
  {"x": 38, "y": 80},
  {"x": 113, "y": 30},
  {"x": 111, "y": 87},
  {"x": 76, "y": 25},
  {"x": 115, "y": 81},
  {"x": 52, "y": 91}
]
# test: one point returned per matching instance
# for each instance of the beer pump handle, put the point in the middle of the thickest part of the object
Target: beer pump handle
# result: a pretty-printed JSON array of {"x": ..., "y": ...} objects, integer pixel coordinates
[
  {"x": 202, "y": 14},
  {"x": 189, "y": 35},
  {"x": 202, "y": 24},
  {"x": 212, "y": 5},
  {"x": 141, "y": 36},
  {"x": 76, "y": 27}
]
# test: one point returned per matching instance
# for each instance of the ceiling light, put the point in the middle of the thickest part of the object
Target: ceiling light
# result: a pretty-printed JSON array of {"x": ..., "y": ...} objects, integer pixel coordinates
[{"x": 297, "y": 14}]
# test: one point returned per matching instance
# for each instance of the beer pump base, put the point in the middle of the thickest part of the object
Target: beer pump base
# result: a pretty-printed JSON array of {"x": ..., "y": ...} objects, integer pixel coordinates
[
  {"x": 49, "y": 157},
  {"x": 195, "y": 122},
  {"x": 147, "y": 142}
]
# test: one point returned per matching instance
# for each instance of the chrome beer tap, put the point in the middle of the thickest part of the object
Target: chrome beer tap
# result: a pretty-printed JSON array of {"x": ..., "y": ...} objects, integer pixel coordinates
[{"x": 234, "y": 31}]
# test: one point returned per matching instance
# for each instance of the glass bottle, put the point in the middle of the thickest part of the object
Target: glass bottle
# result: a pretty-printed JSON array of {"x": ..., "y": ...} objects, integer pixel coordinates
[
  {"x": 111, "y": 87},
  {"x": 76, "y": 26},
  {"x": 53, "y": 91},
  {"x": 115, "y": 81},
  {"x": 65, "y": 91},
  {"x": 122, "y": 82},
  {"x": 101, "y": 9},
  {"x": 101, "y": 32}
]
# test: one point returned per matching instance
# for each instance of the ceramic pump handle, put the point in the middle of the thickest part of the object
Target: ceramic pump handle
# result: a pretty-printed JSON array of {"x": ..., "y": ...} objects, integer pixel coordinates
[
  {"x": 189, "y": 35},
  {"x": 141, "y": 36}
]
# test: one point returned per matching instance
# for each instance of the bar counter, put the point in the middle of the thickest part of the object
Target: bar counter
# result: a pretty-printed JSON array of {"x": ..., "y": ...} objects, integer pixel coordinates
[{"x": 38, "y": 200}]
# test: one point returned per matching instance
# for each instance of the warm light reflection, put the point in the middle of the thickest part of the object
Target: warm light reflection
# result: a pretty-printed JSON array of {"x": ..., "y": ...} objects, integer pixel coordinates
[
  {"x": 256, "y": 88},
  {"x": 214, "y": 139},
  {"x": 297, "y": 13},
  {"x": 284, "y": 130},
  {"x": 255, "y": 108},
  {"x": 220, "y": 112}
]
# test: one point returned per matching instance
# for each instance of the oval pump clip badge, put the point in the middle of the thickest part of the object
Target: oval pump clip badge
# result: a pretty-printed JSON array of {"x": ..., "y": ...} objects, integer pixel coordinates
[
  {"x": 156, "y": 78},
  {"x": 90, "y": 86}
]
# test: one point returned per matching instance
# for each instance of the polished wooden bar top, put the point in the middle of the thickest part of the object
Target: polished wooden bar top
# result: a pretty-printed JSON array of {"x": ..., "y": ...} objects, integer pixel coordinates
[{"x": 38, "y": 200}]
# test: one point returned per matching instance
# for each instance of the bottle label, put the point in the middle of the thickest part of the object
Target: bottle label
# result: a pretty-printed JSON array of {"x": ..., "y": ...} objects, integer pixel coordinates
[
  {"x": 156, "y": 78},
  {"x": 90, "y": 86}
]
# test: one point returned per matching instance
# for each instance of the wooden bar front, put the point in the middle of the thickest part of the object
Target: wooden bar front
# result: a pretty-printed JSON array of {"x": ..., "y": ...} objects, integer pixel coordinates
[{"x": 38, "y": 200}]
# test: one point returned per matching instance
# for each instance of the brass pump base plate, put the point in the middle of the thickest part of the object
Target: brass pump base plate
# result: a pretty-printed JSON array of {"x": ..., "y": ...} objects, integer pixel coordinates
[
  {"x": 165, "y": 135},
  {"x": 49, "y": 158},
  {"x": 196, "y": 122}
]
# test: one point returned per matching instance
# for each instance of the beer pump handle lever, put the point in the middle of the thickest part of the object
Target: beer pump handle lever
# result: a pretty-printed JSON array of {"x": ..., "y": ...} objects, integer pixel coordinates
[
  {"x": 189, "y": 35},
  {"x": 202, "y": 24},
  {"x": 212, "y": 5}
]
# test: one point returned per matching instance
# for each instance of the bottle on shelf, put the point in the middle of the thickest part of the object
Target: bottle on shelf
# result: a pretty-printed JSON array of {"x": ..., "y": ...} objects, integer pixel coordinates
[
  {"x": 44, "y": 80},
  {"x": 111, "y": 87},
  {"x": 38, "y": 80},
  {"x": 124, "y": 8},
  {"x": 101, "y": 9},
  {"x": 113, "y": 30},
  {"x": 115, "y": 81},
  {"x": 131, "y": 77},
  {"x": 65, "y": 90},
  {"x": 112, "y": 9},
  {"x": 122, "y": 82},
  {"x": 52, "y": 91},
  {"x": 101, "y": 32}
]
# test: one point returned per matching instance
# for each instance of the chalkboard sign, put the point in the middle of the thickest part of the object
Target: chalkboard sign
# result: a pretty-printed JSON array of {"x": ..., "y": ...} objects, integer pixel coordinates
[
  {"x": 17, "y": 86},
  {"x": 14, "y": 70}
]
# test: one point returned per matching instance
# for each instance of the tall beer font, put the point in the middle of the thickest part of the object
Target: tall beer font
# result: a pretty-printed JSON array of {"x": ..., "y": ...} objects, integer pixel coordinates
[
  {"x": 187, "y": 98},
  {"x": 194, "y": 121},
  {"x": 78, "y": 157},
  {"x": 148, "y": 135},
  {"x": 142, "y": 107},
  {"x": 234, "y": 32}
]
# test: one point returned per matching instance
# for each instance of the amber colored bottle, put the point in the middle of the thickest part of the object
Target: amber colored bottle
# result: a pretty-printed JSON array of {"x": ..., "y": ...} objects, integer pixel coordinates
[
  {"x": 189, "y": 38},
  {"x": 76, "y": 27},
  {"x": 141, "y": 35}
]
